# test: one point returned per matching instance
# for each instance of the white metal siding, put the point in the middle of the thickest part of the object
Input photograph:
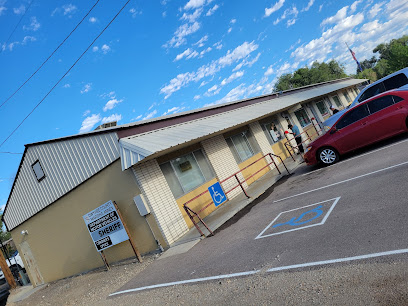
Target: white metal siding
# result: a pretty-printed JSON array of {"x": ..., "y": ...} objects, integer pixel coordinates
[{"x": 66, "y": 164}]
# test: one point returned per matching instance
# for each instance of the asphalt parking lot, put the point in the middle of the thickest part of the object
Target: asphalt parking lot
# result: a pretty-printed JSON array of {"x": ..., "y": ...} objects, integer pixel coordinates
[{"x": 350, "y": 212}]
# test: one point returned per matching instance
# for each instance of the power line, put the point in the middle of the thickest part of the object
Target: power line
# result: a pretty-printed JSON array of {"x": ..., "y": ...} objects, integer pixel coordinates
[
  {"x": 56, "y": 84},
  {"x": 35, "y": 72},
  {"x": 15, "y": 28},
  {"x": 10, "y": 153}
]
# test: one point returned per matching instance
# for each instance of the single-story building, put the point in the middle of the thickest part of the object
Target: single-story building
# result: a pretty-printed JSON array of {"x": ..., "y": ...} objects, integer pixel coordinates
[{"x": 160, "y": 164}]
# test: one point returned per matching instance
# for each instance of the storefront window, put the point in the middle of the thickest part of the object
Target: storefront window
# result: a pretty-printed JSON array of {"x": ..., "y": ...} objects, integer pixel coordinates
[
  {"x": 274, "y": 132},
  {"x": 243, "y": 146},
  {"x": 187, "y": 172},
  {"x": 347, "y": 97},
  {"x": 337, "y": 101},
  {"x": 322, "y": 108},
  {"x": 302, "y": 117}
]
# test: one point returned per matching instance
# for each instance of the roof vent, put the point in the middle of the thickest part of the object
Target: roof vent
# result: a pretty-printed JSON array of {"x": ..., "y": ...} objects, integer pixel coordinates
[{"x": 107, "y": 125}]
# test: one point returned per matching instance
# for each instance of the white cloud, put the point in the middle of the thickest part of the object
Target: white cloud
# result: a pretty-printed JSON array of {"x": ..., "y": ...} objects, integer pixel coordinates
[
  {"x": 192, "y": 17},
  {"x": 201, "y": 42},
  {"x": 150, "y": 115},
  {"x": 2, "y": 7},
  {"x": 89, "y": 123},
  {"x": 218, "y": 45},
  {"x": 214, "y": 90},
  {"x": 376, "y": 9},
  {"x": 179, "y": 37},
  {"x": 86, "y": 88},
  {"x": 309, "y": 5},
  {"x": 67, "y": 85},
  {"x": 111, "y": 104},
  {"x": 193, "y": 4},
  {"x": 293, "y": 12},
  {"x": 247, "y": 62},
  {"x": 353, "y": 7},
  {"x": 135, "y": 12},
  {"x": 233, "y": 21},
  {"x": 28, "y": 39},
  {"x": 95, "y": 49},
  {"x": 212, "y": 10},
  {"x": 183, "y": 79},
  {"x": 19, "y": 10},
  {"x": 111, "y": 118},
  {"x": 274, "y": 8},
  {"x": 205, "y": 51},
  {"x": 34, "y": 25},
  {"x": 69, "y": 9},
  {"x": 93, "y": 19},
  {"x": 173, "y": 110},
  {"x": 86, "y": 113},
  {"x": 340, "y": 15},
  {"x": 137, "y": 118},
  {"x": 105, "y": 48},
  {"x": 269, "y": 71},
  {"x": 188, "y": 54},
  {"x": 232, "y": 77},
  {"x": 290, "y": 22},
  {"x": 320, "y": 7},
  {"x": 196, "y": 97}
]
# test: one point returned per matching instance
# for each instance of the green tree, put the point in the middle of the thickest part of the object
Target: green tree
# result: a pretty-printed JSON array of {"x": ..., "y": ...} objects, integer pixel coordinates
[
  {"x": 4, "y": 235},
  {"x": 368, "y": 74},
  {"x": 393, "y": 56},
  {"x": 317, "y": 73}
]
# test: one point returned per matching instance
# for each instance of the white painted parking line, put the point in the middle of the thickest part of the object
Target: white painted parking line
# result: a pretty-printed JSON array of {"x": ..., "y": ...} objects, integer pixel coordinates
[
  {"x": 341, "y": 182},
  {"x": 189, "y": 281},
  {"x": 277, "y": 269},
  {"x": 349, "y": 159},
  {"x": 296, "y": 224},
  {"x": 326, "y": 262}
]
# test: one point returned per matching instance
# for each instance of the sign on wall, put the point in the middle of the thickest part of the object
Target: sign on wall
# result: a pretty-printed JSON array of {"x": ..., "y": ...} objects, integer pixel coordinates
[
  {"x": 217, "y": 194},
  {"x": 105, "y": 226}
]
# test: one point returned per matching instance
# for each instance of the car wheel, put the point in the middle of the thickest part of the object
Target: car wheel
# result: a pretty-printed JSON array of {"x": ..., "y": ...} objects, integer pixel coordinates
[{"x": 328, "y": 156}]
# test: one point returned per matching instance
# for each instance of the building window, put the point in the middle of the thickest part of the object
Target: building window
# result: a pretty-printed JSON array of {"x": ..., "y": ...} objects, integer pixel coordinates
[
  {"x": 243, "y": 146},
  {"x": 347, "y": 97},
  {"x": 337, "y": 101},
  {"x": 38, "y": 170},
  {"x": 187, "y": 172},
  {"x": 302, "y": 117},
  {"x": 273, "y": 131},
  {"x": 322, "y": 108}
]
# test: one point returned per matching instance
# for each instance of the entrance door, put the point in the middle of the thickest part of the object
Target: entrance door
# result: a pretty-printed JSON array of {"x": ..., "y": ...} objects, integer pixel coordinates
[{"x": 34, "y": 272}]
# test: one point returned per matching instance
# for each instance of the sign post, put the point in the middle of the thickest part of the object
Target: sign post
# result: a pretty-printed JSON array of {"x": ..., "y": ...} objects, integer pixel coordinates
[{"x": 107, "y": 229}]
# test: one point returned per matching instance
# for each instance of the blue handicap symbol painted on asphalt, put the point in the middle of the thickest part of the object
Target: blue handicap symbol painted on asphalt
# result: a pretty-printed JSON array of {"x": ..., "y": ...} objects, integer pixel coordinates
[
  {"x": 217, "y": 194},
  {"x": 298, "y": 221}
]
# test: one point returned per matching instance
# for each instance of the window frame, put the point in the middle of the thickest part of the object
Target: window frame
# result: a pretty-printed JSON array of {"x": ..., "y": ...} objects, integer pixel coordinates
[
  {"x": 255, "y": 148},
  {"x": 267, "y": 130},
  {"x": 35, "y": 174},
  {"x": 338, "y": 99},
  {"x": 183, "y": 188},
  {"x": 346, "y": 95},
  {"x": 307, "y": 116},
  {"x": 325, "y": 106},
  {"x": 371, "y": 101}
]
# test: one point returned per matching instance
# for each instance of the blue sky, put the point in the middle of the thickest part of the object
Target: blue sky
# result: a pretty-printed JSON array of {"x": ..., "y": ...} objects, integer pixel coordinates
[{"x": 164, "y": 57}]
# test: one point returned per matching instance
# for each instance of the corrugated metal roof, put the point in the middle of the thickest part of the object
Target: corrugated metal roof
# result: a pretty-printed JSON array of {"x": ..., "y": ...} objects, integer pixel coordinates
[
  {"x": 66, "y": 164},
  {"x": 135, "y": 148}
]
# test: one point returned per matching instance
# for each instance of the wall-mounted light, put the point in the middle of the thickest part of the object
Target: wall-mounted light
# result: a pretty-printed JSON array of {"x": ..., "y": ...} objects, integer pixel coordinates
[{"x": 25, "y": 232}]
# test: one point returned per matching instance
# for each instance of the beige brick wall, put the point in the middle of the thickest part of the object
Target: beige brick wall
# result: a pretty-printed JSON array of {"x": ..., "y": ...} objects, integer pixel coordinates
[
  {"x": 162, "y": 203},
  {"x": 223, "y": 162},
  {"x": 262, "y": 141}
]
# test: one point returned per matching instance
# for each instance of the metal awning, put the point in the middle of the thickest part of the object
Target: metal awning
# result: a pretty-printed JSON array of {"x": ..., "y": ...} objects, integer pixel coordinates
[{"x": 133, "y": 149}]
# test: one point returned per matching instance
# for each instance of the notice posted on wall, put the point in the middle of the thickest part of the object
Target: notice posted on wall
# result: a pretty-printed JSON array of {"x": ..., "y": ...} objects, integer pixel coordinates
[{"x": 105, "y": 226}]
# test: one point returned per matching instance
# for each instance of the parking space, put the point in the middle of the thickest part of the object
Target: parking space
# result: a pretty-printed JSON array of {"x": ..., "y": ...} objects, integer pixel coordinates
[{"x": 354, "y": 210}]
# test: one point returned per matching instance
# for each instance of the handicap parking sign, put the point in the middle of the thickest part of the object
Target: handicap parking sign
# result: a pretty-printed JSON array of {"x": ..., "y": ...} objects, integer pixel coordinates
[{"x": 217, "y": 194}]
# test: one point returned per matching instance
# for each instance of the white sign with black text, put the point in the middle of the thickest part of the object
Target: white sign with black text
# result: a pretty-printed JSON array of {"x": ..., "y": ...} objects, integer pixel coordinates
[{"x": 105, "y": 226}]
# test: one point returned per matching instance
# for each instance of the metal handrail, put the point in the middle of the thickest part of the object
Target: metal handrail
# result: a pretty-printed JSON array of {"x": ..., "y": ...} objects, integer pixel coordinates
[{"x": 191, "y": 213}]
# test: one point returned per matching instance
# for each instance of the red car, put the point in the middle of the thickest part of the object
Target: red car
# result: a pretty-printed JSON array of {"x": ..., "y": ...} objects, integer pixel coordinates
[{"x": 380, "y": 117}]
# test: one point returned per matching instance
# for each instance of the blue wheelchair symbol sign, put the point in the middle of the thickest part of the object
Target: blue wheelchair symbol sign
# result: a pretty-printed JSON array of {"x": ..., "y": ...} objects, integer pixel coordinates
[{"x": 217, "y": 194}]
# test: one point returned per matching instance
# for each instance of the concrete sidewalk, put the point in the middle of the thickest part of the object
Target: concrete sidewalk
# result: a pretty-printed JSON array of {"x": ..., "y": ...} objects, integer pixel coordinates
[{"x": 224, "y": 213}]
